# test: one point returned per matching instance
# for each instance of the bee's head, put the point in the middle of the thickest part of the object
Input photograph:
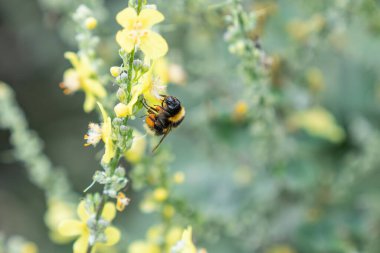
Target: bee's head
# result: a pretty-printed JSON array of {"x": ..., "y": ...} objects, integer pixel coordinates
[{"x": 173, "y": 105}]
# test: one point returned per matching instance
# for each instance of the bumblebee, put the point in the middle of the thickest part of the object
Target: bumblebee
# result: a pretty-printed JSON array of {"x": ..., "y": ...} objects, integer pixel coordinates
[{"x": 161, "y": 119}]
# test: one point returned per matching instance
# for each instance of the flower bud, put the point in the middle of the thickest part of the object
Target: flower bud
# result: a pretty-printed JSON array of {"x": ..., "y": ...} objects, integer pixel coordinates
[
  {"x": 117, "y": 121},
  {"x": 115, "y": 71},
  {"x": 137, "y": 64},
  {"x": 145, "y": 67},
  {"x": 121, "y": 110},
  {"x": 160, "y": 194},
  {"x": 121, "y": 95},
  {"x": 124, "y": 129},
  {"x": 91, "y": 23}
]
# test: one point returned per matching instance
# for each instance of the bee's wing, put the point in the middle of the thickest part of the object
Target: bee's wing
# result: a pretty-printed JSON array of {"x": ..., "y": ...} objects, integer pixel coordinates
[{"x": 162, "y": 139}]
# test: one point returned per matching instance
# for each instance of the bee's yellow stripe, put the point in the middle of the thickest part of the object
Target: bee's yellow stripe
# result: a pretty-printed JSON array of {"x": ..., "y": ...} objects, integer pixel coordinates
[{"x": 178, "y": 116}]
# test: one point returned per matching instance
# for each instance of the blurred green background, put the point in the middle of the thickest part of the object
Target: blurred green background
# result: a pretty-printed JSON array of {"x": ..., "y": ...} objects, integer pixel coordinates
[{"x": 300, "y": 192}]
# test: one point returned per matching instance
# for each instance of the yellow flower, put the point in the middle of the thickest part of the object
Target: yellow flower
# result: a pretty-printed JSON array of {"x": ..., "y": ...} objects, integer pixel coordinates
[
  {"x": 56, "y": 213},
  {"x": 185, "y": 245},
  {"x": 150, "y": 88},
  {"x": 137, "y": 32},
  {"x": 82, "y": 77},
  {"x": 79, "y": 228},
  {"x": 318, "y": 122},
  {"x": 104, "y": 132},
  {"x": 137, "y": 150}
]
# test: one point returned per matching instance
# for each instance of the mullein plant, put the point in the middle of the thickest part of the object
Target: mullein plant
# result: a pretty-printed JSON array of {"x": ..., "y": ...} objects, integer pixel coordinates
[
  {"x": 243, "y": 38},
  {"x": 28, "y": 149},
  {"x": 141, "y": 51}
]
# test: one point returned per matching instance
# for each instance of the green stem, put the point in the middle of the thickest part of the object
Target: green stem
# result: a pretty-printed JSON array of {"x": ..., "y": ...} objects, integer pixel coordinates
[
  {"x": 139, "y": 6},
  {"x": 113, "y": 164},
  {"x": 130, "y": 70}
]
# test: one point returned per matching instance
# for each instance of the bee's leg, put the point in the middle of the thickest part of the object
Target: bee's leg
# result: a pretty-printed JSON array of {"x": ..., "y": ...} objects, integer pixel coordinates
[{"x": 149, "y": 108}]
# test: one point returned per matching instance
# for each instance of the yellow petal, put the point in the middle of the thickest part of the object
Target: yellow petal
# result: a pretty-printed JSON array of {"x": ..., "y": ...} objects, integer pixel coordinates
[
  {"x": 127, "y": 17},
  {"x": 94, "y": 87},
  {"x": 71, "y": 227},
  {"x": 149, "y": 17},
  {"x": 85, "y": 68},
  {"x": 73, "y": 58},
  {"x": 109, "y": 211},
  {"x": 89, "y": 102},
  {"x": 125, "y": 42},
  {"x": 109, "y": 152},
  {"x": 112, "y": 235},
  {"x": 153, "y": 45},
  {"x": 82, "y": 212},
  {"x": 80, "y": 245},
  {"x": 137, "y": 90},
  {"x": 161, "y": 69},
  {"x": 104, "y": 113},
  {"x": 58, "y": 238}
]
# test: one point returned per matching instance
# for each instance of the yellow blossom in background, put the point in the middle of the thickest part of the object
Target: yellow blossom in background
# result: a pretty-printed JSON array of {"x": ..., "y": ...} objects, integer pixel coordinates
[
  {"x": 172, "y": 237},
  {"x": 29, "y": 247},
  {"x": 104, "y": 132},
  {"x": 82, "y": 77},
  {"x": 158, "y": 240},
  {"x": 301, "y": 30},
  {"x": 169, "y": 72},
  {"x": 143, "y": 247},
  {"x": 168, "y": 211},
  {"x": 179, "y": 177},
  {"x": 79, "y": 228},
  {"x": 148, "y": 205},
  {"x": 160, "y": 194},
  {"x": 314, "y": 77},
  {"x": 243, "y": 176},
  {"x": 137, "y": 150},
  {"x": 281, "y": 249},
  {"x": 318, "y": 122},
  {"x": 185, "y": 245},
  {"x": 57, "y": 212},
  {"x": 240, "y": 110},
  {"x": 137, "y": 32}
]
